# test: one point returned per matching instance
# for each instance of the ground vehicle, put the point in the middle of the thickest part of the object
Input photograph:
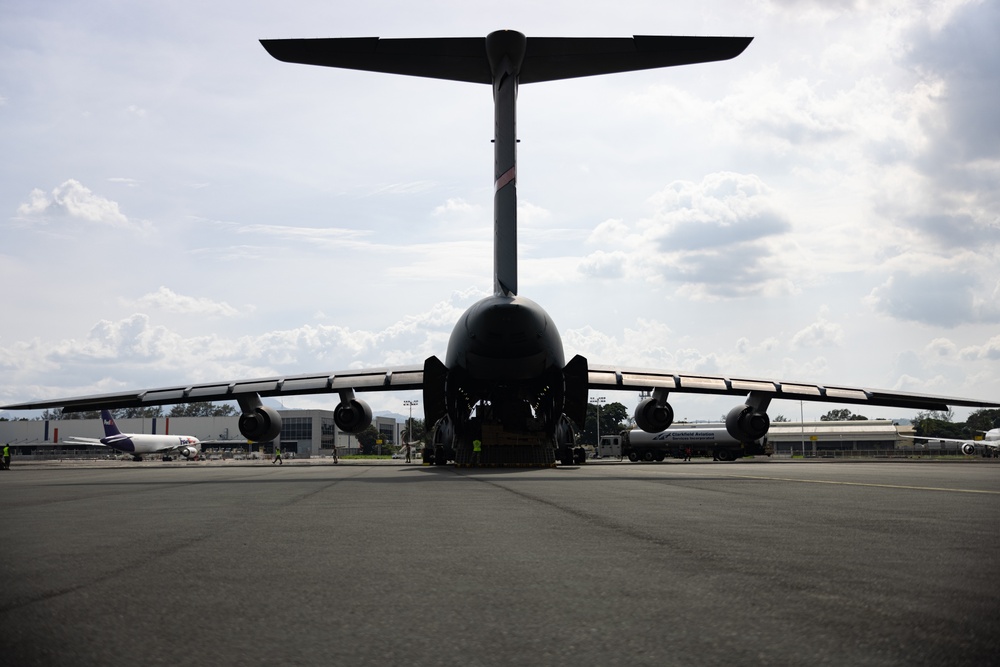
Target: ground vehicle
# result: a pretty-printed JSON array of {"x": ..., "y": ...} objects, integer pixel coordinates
[{"x": 708, "y": 439}]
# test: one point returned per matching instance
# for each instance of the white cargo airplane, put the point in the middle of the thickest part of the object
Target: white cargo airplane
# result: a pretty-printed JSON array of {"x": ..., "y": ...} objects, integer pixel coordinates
[
  {"x": 138, "y": 444},
  {"x": 989, "y": 444},
  {"x": 505, "y": 380}
]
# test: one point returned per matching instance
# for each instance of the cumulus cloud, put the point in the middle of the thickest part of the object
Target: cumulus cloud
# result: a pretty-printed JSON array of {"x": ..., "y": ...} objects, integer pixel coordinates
[
  {"x": 716, "y": 238},
  {"x": 990, "y": 351},
  {"x": 946, "y": 297},
  {"x": 822, "y": 333},
  {"x": 963, "y": 53},
  {"x": 167, "y": 300},
  {"x": 73, "y": 200},
  {"x": 456, "y": 206},
  {"x": 132, "y": 352}
]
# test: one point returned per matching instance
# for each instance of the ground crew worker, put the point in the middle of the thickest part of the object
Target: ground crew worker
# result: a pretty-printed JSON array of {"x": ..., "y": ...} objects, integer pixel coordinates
[
  {"x": 407, "y": 452},
  {"x": 6, "y": 456},
  {"x": 277, "y": 456},
  {"x": 477, "y": 448}
]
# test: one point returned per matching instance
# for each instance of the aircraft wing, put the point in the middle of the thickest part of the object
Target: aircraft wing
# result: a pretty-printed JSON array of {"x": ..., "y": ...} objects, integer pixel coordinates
[
  {"x": 977, "y": 443},
  {"x": 78, "y": 440},
  {"x": 600, "y": 377},
  {"x": 377, "y": 379},
  {"x": 633, "y": 379}
]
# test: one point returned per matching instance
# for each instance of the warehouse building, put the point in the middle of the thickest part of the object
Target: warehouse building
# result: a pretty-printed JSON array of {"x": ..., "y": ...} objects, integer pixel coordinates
[{"x": 869, "y": 437}]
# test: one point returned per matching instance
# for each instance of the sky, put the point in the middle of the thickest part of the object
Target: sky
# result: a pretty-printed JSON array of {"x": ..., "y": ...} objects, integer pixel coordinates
[{"x": 176, "y": 206}]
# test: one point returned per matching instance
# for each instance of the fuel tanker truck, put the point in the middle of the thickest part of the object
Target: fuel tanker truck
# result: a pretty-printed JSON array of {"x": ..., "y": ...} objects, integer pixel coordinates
[{"x": 703, "y": 439}]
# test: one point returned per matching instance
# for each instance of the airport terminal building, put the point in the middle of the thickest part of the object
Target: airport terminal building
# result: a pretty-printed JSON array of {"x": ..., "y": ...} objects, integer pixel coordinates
[{"x": 304, "y": 434}]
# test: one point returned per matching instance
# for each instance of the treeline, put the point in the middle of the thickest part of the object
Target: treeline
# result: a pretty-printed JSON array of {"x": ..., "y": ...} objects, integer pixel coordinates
[
  {"x": 202, "y": 409},
  {"x": 937, "y": 424}
]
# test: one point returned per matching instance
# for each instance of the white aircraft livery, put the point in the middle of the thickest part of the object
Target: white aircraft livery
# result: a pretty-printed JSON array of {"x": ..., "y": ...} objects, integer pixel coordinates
[
  {"x": 990, "y": 444},
  {"x": 505, "y": 383},
  {"x": 138, "y": 444}
]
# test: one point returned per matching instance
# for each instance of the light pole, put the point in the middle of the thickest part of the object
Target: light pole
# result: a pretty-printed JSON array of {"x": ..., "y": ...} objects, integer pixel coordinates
[
  {"x": 409, "y": 428},
  {"x": 598, "y": 400}
]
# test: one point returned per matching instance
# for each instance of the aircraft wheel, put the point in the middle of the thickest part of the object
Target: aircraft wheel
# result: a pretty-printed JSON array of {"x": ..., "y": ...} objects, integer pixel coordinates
[{"x": 439, "y": 458}]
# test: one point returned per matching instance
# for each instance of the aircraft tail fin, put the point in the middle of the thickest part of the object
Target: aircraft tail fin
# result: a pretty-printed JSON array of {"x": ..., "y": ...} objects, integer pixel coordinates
[
  {"x": 110, "y": 427},
  {"x": 545, "y": 58}
]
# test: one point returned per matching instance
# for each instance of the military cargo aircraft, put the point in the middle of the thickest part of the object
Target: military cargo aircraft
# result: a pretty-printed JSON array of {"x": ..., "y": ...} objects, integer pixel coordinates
[{"x": 504, "y": 381}]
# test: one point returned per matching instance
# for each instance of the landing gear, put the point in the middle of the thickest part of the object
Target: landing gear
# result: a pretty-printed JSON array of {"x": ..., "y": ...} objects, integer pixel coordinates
[
  {"x": 440, "y": 458},
  {"x": 565, "y": 456}
]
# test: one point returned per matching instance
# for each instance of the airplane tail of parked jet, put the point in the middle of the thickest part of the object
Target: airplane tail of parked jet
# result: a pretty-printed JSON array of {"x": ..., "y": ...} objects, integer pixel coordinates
[
  {"x": 505, "y": 59},
  {"x": 110, "y": 427}
]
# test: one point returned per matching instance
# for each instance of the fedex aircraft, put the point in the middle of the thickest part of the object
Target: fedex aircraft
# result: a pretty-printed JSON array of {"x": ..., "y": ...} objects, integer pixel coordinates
[
  {"x": 138, "y": 444},
  {"x": 505, "y": 380}
]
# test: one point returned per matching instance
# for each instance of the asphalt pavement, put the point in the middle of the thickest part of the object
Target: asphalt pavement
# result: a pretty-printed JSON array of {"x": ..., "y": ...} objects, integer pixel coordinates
[{"x": 700, "y": 563}]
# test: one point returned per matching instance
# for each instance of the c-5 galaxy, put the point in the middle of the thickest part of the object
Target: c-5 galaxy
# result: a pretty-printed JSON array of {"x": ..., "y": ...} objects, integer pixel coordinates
[{"x": 504, "y": 380}]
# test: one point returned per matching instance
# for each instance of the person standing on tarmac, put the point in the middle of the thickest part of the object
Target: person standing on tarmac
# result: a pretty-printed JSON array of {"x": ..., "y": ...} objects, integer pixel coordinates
[
  {"x": 277, "y": 456},
  {"x": 477, "y": 449},
  {"x": 6, "y": 456}
]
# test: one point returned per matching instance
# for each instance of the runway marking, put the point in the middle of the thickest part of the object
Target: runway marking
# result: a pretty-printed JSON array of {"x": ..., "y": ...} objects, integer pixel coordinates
[{"x": 880, "y": 486}]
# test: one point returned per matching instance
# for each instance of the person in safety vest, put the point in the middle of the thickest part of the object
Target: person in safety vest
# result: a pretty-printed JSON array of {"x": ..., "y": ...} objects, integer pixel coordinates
[
  {"x": 477, "y": 448},
  {"x": 6, "y": 456},
  {"x": 277, "y": 456}
]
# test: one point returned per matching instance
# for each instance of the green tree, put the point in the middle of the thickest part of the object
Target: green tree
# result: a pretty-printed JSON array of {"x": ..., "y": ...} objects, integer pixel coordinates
[
  {"x": 367, "y": 440},
  {"x": 419, "y": 431},
  {"x": 614, "y": 418},
  {"x": 939, "y": 424},
  {"x": 841, "y": 415},
  {"x": 202, "y": 409},
  {"x": 148, "y": 412},
  {"x": 983, "y": 420},
  {"x": 779, "y": 419}
]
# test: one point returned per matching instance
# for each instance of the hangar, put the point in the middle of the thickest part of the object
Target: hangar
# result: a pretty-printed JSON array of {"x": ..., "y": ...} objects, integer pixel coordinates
[
  {"x": 304, "y": 433},
  {"x": 868, "y": 437}
]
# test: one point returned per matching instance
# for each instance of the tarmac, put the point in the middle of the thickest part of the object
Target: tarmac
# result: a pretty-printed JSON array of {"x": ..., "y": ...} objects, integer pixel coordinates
[{"x": 607, "y": 563}]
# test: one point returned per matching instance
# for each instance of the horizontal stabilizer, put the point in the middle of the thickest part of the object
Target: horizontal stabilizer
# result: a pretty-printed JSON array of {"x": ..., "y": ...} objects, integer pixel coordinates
[{"x": 545, "y": 58}]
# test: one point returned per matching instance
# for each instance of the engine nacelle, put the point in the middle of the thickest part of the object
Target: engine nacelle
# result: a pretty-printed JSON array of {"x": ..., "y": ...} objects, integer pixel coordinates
[
  {"x": 746, "y": 425},
  {"x": 352, "y": 416},
  {"x": 652, "y": 416},
  {"x": 261, "y": 425},
  {"x": 968, "y": 448},
  {"x": 188, "y": 452}
]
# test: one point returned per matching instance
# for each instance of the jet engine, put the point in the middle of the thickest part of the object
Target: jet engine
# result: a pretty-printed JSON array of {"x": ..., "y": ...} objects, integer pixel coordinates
[
  {"x": 746, "y": 424},
  {"x": 653, "y": 416},
  {"x": 352, "y": 415},
  {"x": 261, "y": 424},
  {"x": 188, "y": 452},
  {"x": 968, "y": 448}
]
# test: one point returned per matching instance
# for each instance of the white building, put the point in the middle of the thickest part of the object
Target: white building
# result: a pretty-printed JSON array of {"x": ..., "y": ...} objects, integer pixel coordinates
[{"x": 823, "y": 438}]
